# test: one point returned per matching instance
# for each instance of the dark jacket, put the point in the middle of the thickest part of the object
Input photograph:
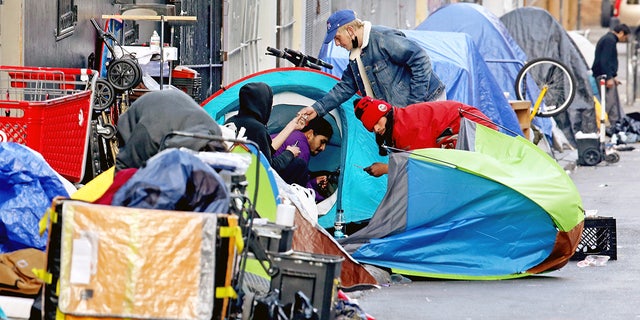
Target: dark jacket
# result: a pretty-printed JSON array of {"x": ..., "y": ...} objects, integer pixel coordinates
[
  {"x": 606, "y": 56},
  {"x": 145, "y": 125},
  {"x": 398, "y": 69},
  {"x": 256, "y": 99}
]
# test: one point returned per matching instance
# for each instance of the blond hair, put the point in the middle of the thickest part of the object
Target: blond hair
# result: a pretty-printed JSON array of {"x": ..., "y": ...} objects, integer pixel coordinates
[{"x": 356, "y": 24}]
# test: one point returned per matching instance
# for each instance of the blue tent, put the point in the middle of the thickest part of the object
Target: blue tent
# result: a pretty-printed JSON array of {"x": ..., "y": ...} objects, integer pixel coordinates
[
  {"x": 459, "y": 65},
  {"x": 500, "y": 208},
  {"x": 500, "y": 51},
  {"x": 351, "y": 148}
]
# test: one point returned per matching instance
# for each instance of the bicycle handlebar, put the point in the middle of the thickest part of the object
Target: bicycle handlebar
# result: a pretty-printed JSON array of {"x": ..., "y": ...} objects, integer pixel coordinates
[
  {"x": 298, "y": 58},
  {"x": 311, "y": 59},
  {"x": 277, "y": 53}
]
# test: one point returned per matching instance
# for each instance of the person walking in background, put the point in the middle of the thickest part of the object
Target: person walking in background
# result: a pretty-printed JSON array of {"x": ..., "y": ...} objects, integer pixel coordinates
[
  {"x": 422, "y": 125},
  {"x": 383, "y": 64},
  {"x": 605, "y": 64}
]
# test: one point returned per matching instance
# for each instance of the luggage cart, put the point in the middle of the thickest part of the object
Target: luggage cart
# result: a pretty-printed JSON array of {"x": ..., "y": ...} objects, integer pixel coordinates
[
  {"x": 592, "y": 148},
  {"x": 49, "y": 110}
]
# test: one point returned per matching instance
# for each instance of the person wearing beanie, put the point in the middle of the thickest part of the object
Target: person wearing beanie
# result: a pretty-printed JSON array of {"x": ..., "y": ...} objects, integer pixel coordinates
[
  {"x": 256, "y": 100},
  {"x": 422, "y": 125},
  {"x": 383, "y": 64}
]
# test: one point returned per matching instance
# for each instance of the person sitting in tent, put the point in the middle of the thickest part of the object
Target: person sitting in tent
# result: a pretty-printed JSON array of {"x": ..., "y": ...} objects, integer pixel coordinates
[
  {"x": 383, "y": 63},
  {"x": 422, "y": 125},
  {"x": 311, "y": 140},
  {"x": 256, "y": 100}
]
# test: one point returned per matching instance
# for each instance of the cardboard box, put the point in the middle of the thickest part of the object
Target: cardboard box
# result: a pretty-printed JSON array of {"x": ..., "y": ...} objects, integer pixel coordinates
[{"x": 523, "y": 113}]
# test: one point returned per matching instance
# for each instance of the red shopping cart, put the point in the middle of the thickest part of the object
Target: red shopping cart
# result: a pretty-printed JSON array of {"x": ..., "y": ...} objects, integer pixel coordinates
[{"x": 49, "y": 110}]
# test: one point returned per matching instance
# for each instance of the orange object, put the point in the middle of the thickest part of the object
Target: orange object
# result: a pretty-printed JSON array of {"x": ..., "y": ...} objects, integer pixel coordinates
[{"x": 119, "y": 262}]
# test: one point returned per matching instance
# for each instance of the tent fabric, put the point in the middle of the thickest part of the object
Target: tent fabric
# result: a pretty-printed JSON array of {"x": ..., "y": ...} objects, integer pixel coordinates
[
  {"x": 361, "y": 200},
  {"x": 505, "y": 210},
  {"x": 502, "y": 54},
  {"x": 27, "y": 187},
  {"x": 462, "y": 68},
  {"x": 524, "y": 25},
  {"x": 584, "y": 45},
  {"x": 459, "y": 66},
  {"x": 358, "y": 148}
]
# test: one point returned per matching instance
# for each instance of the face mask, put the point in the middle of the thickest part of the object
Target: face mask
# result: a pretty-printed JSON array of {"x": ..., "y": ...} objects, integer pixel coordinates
[{"x": 354, "y": 42}]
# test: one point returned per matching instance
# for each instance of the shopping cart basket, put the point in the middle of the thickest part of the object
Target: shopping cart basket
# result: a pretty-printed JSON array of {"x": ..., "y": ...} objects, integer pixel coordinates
[{"x": 49, "y": 110}]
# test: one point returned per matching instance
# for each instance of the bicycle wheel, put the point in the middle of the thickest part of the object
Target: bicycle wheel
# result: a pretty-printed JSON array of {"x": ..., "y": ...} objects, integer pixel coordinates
[{"x": 560, "y": 83}]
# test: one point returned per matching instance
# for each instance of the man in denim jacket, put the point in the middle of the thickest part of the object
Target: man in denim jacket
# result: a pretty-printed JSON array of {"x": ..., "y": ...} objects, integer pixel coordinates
[{"x": 383, "y": 64}]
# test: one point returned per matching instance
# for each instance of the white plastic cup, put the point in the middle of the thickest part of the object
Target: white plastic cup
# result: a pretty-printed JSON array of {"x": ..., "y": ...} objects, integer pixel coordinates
[{"x": 285, "y": 213}]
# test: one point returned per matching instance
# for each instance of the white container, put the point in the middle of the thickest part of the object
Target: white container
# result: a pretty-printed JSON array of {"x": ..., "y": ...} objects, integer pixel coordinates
[
  {"x": 285, "y": 213},
  {"x": 154, "y": 42}
]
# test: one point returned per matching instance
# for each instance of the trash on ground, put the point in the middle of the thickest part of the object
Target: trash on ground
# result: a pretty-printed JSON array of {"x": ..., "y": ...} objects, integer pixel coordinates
[{"x": 593, "y": 260}]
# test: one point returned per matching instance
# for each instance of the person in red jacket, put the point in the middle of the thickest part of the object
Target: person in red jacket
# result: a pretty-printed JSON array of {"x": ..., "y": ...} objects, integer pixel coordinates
[{"x": 433, "y": 124}]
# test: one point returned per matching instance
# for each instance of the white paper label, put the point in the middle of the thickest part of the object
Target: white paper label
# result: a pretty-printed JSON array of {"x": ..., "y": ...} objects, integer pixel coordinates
[{"x": 81, "y": 261}]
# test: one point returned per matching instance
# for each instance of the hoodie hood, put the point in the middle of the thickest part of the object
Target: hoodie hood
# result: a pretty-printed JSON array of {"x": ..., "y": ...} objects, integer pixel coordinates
[
  {"x": 256, "y": 100},
  {"x": 144, "y": 129}
]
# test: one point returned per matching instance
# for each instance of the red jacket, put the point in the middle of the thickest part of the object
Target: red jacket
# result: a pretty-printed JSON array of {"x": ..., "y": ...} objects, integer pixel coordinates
[{"x": 433, "y": 124}]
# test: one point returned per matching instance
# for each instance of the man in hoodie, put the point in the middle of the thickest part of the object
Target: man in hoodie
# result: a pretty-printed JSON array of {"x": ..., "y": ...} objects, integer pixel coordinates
[
  {"x": 145, "y": 129},
  {"x": 383, "y": 64},
  {"x": 256, "y": 100}
]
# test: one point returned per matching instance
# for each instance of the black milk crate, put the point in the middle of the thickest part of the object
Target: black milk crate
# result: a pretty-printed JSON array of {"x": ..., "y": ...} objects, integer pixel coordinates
[
  {"x": 316, "y": 275},
  {"x": 598, "y": 238},
  {"x": 190, "y": 86}
]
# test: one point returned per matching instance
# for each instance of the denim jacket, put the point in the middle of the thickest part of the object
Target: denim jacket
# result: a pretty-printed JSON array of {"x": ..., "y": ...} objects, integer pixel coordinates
[{"x": 398, "y": 69}]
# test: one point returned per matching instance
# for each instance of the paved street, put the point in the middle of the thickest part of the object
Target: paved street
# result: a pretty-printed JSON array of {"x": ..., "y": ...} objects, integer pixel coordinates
[{"x": 607, "y": 292}]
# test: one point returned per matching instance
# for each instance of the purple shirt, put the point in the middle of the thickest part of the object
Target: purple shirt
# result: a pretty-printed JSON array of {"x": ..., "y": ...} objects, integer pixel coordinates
[
  {"x": 305, "y": 154},
  {"x": 303, "y": 144}
]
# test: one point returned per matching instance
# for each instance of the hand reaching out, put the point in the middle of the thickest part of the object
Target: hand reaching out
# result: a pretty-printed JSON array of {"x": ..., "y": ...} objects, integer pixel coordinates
[
  {"x": 300, "y": 122},
  {"x": 294, "y": 149},
  {"x": 377, "y": 169},
  {"x": 308, "y": 113},
  {"x": 322, "y": 181}
]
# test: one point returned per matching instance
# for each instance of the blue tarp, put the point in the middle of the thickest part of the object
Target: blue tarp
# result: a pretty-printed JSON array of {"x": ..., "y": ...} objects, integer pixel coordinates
[
  {"x": 27, "y": 187},
  {"x": 174, "y": 180},
  {"x": 502, "y": 54},
  {"x": 459, "y": 65}
]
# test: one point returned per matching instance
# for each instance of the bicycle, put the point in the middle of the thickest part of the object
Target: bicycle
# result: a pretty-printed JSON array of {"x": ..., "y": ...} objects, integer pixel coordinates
[
  {"x": 556, "y": 83},
  {"x": 298, "y": 58}
]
